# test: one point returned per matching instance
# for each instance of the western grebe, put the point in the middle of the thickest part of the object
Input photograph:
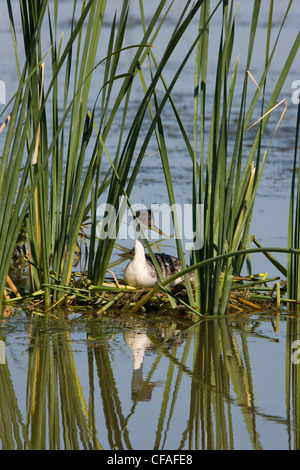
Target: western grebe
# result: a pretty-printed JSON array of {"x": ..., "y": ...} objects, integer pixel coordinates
[{"x": 141, "y": 272}]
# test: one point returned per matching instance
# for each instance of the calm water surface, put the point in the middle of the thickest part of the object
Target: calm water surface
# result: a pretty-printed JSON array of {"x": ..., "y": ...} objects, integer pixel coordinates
[
  {"x": 149, "y": 383},
  {"x": 161, "y": 383}
]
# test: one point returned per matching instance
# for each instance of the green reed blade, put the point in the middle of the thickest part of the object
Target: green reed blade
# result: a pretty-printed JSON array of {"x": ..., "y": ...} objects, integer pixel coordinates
[{"x": 293, "y": 261}]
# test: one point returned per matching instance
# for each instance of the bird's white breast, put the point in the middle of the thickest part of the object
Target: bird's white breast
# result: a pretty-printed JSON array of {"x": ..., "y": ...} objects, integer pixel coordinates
[{"x": 137, "y": 275}]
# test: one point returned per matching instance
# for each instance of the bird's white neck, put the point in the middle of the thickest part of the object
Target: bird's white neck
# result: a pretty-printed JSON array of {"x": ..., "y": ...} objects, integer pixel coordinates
[{"x": 139, "y": 251}]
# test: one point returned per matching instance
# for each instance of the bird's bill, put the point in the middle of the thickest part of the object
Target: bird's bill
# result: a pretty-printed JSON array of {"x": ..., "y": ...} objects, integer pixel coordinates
[{"x": 157, "y": 230}]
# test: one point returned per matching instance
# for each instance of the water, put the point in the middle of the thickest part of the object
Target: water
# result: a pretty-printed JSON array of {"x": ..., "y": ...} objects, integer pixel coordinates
[
  {"x": 154, "y": 383},
  {"x": 147, "y": 382}
]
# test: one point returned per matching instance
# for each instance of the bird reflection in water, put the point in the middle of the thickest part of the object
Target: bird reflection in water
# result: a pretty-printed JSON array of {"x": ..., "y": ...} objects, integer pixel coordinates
[{"x": 139, "y": 341}]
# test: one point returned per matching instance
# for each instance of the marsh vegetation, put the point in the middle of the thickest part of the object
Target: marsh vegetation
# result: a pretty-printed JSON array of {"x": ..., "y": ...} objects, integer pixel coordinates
[
  {"x": 52, "y": 170},
  {"x": 91, "y": 103}
]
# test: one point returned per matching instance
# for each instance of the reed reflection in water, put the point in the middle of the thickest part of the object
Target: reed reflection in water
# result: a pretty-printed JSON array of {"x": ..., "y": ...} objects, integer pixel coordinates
[{"x": 153, "y": 384}]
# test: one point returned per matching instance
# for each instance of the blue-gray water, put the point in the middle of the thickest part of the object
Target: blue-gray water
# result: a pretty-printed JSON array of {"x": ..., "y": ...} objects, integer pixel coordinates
[{"x": 123, "y": 382}]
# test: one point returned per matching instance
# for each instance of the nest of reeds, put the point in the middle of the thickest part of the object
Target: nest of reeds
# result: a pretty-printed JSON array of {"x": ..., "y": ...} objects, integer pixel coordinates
[
  {"x": 247, "y": 295},
  {"x": 256, "y": 293}
]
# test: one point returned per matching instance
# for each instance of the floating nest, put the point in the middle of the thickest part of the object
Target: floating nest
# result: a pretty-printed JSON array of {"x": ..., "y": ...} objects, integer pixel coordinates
[
  {"x": 256, "y": 293},
  {"x": 248, "y": 294}
]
